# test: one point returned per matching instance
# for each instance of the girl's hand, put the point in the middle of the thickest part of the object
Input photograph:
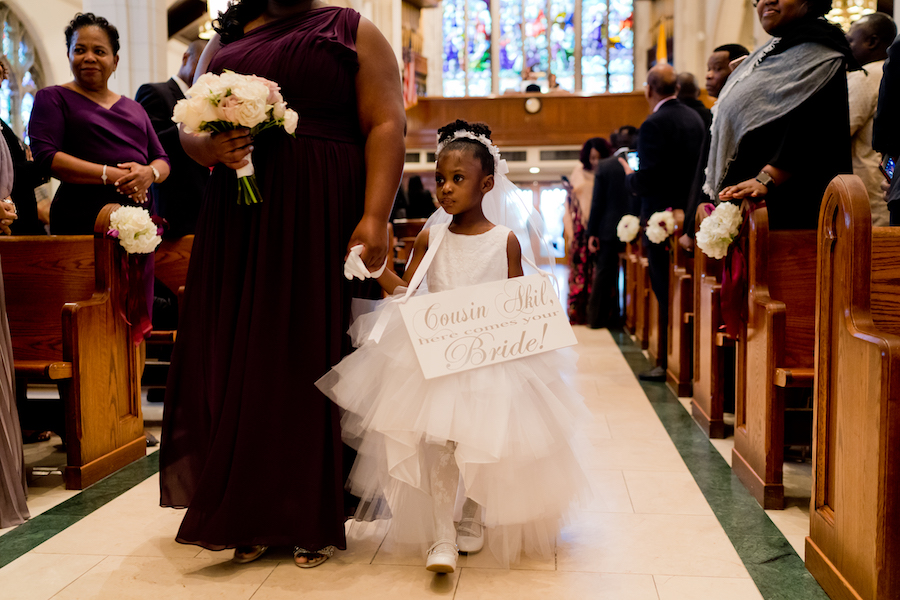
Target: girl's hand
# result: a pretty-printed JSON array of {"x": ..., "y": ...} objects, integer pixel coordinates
[
  {"x": 7, "y": 215},
  {"x": 232, "y": 147},
  {"x": 371, "y": 233},
  {"x": 746, "y": 189},
  {"x": 135, "y": 182}
]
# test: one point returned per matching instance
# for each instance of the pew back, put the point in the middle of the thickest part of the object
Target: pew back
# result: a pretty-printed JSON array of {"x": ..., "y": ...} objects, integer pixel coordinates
[
  {"x": 40, "y": 274},
  {"x": 853, "y": 549}
]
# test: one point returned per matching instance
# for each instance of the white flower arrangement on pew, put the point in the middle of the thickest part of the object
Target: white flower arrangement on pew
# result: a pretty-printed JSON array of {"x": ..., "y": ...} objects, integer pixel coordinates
[
  {"x": 218, "y": 103},
  {"x": 660, "y": 226},
  {"x": 628, "y": 228},
  {"x": 719, "y": 230},
  {"x": 135, "y": 229}
]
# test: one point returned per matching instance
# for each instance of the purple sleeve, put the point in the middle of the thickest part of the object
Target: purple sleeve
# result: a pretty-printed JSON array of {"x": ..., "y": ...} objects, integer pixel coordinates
[
  {"x": 154, "y": 148},
  {"x": 47, "y": 128}
]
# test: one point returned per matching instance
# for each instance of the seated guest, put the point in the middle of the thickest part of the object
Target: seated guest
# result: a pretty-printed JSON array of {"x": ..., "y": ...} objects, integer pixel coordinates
[
  {"x": 721, "y": 63},
  {"x": 419, "y": 201},
  {"x": 781, "y": 130},
  {"x": 100, "y": 145},
  {"x": 610, "y": 201},
  {"x": 26, "y": 178},
  {"x": 886, "y": 128},
  {"x": 178, "y": 197},
  {"x": 869, "y": 38},
  {"x": 575, "y": 220},
  {"x": 689, "y": 94}
]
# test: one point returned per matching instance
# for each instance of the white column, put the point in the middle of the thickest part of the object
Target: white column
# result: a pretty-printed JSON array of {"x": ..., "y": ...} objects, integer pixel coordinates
[
  {"x": 143, "y": 35},
  {"x": 433, "y": 50},
  {"x": 643, "y": 33},
  {"x": 688, "y": 37}
]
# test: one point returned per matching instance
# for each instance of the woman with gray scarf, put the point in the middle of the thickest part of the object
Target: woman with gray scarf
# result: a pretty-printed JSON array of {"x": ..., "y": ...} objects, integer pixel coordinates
[
  {"x": 781, "y": 126},
  {"x": 13, "y": 487}
]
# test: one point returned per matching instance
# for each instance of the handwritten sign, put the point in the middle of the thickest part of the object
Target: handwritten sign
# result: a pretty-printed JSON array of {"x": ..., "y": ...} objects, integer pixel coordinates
[{"x": 485, "y": 324}]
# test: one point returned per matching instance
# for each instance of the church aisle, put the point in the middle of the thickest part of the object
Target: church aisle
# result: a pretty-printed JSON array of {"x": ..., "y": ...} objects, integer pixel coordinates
[{"x": 652, "y": 532}]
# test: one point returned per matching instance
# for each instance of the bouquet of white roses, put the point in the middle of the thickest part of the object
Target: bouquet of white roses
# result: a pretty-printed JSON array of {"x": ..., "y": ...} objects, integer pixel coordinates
[
  {"x": 660, "y": 226},
  {"x": 628, "y": 228},
  {"x": 719, "y": 229},
  {"x": 135, "y": 229},
  {"x": 218, "y": 103}
]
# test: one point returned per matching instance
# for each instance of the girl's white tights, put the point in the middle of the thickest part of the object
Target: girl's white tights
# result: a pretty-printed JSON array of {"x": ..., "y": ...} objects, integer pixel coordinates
[{"x": 444, "y": 475}]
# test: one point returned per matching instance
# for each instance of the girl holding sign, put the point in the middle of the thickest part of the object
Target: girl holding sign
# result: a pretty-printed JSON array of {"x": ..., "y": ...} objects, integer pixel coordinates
[{"x": 497, "y": 440}]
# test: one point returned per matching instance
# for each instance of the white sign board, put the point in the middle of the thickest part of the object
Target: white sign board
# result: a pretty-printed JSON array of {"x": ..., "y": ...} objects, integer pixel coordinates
[{"x": 485, "y": 324}]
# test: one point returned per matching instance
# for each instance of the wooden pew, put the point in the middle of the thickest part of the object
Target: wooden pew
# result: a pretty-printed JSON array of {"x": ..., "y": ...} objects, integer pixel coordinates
[
  {"x": 632, "y": 257},
  {"x": 405, "y": 232},
  {"x": 642, "y": 294},
  {"x": 709, "y": 387},
  {"x": 65, "y": 303},
  {"x": 853, "y": 548},
  {"x": 679, "y": 373},
  {"x": 171, "y": 265},
  {"x": 774, "y": 351}
]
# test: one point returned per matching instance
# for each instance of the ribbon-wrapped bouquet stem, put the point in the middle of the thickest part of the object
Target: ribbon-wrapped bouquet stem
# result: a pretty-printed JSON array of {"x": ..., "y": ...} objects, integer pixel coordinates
[{"x": 219, "y": 103}]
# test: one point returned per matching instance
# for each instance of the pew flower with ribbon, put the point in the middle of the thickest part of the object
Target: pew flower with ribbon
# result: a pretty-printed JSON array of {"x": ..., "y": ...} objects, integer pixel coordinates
[
  {"x": 719, "y": 230},
  {"x": 628, "y": 228},
  {"x": 139, "y": 234},
  {"x": 660, "y": 226},
  {"x": 218, "y": 103}
]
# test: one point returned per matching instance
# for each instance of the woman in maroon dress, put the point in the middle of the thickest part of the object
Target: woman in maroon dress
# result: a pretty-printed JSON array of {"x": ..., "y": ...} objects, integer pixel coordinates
[
  {"x": 250, "y": 446},
  {"x": 99, "y": 144}
]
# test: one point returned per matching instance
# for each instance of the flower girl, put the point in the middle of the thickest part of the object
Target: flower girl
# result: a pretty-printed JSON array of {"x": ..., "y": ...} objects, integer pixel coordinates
[{"x": 498, "y": 439}]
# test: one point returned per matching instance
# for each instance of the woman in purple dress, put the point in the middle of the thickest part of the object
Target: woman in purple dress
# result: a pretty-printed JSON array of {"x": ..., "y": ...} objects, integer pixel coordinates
[
  {"x": 99, "y": 144},
  {"x": 249, "y": 446}
]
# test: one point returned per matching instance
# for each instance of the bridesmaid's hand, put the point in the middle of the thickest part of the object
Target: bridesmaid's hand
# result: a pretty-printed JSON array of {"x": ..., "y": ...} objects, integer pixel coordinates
[
  {"x": 371, "y": 233},
  {"x": 231, "y": 147}
]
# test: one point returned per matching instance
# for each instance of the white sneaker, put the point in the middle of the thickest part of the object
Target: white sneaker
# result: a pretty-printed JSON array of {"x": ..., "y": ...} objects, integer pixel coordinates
[
  {"x": 442, "y": 557},
  {"x": 470, "y": 535}
]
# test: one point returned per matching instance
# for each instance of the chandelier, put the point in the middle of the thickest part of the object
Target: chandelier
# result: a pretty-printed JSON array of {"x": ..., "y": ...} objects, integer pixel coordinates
[{"x": 845, "y": 12}]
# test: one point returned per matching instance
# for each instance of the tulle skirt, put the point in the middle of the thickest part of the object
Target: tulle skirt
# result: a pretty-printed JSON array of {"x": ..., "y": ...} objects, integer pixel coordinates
[{"x": 515, "y": 425}]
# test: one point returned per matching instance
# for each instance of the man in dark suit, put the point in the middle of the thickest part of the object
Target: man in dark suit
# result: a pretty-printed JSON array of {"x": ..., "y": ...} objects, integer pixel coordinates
[
  {"x": 689, "y": 95},
  {"x": 609, "y": 203},
  {"x": 178, "y": 197},
  {"x": 886, "y": 128},
  {"x": 669, "y": 148}
]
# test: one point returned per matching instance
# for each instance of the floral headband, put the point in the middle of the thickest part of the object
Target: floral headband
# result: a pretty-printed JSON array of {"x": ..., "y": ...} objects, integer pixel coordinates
[{"x": 464, "y": 133}]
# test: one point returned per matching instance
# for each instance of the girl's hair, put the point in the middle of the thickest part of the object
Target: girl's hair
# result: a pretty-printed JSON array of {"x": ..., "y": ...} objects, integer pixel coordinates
[
  {"x": 600, "y": 145},
  {"x": 230, "y": 24},
  {"x": 88, "y": 19},
  {"x": 480, "y": 151}
]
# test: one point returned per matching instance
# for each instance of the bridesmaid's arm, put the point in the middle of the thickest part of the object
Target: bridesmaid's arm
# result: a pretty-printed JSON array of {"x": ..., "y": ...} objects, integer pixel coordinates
[
  {"x": 66, "y": 167},
  {"x": 383, "y": 122},
  {"x": 230, "y": 147}
]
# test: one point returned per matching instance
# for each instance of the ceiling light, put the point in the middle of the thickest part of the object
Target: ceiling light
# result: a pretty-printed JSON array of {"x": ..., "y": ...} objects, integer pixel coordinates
[{"x": 534, "y": 170}]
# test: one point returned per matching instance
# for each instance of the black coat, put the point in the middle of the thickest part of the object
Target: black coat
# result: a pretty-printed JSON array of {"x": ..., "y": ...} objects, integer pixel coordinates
[
  {"x": 27, "y": 177},
  {"x": 669, "y": 148},
  {"x": 178, "y": 197},
  {"x": 610, "y": 200},
  {"x": 886, "y": 129}
]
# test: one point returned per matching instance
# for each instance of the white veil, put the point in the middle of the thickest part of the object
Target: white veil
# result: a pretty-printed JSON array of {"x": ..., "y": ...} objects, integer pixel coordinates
[{"x": 505, "y": 205}]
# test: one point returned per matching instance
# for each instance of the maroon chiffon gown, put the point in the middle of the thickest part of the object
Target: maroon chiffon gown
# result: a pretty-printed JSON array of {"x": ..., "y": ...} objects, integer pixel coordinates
[{"x": 250, "y": 446}]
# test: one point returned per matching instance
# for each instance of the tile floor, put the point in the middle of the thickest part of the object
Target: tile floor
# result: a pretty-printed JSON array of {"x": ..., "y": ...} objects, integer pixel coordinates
[{"x": 650, "y": 532}]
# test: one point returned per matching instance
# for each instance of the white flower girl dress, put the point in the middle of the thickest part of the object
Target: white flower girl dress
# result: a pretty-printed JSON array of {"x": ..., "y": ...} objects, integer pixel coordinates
[{"x": 515, "y": 425}]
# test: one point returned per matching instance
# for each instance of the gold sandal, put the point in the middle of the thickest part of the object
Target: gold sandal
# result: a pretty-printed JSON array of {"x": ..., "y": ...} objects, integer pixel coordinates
[
  {"x": 313, "y": 559},
  {"x": 246, "y": 554}
]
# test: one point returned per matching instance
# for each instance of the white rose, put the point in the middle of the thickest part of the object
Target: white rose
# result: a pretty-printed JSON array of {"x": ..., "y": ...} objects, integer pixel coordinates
[
  {"x": 660, "y": 226},
  {"x": 719, "y": 230},
  {"x": 278, "y": 110},
  {"x": 251, "y": 112},
  {"x": 290, "y": 121},
  {"x": 187, "y": 117},
  {"x": 136, "y": 230},
  {"x": 628, "y": 228}
]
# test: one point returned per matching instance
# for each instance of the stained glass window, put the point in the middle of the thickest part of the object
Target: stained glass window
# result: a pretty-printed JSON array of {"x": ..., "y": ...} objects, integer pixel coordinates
[
  {"x": 511, "y": 62},
  {"x": 24, "y": 74},
  {"x": 479, "y": 48},
  {"x": 538, "y": 35}
]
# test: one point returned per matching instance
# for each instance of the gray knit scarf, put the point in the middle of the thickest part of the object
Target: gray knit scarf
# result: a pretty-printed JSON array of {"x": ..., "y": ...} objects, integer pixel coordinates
[{"x": 762, "y": 89}]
